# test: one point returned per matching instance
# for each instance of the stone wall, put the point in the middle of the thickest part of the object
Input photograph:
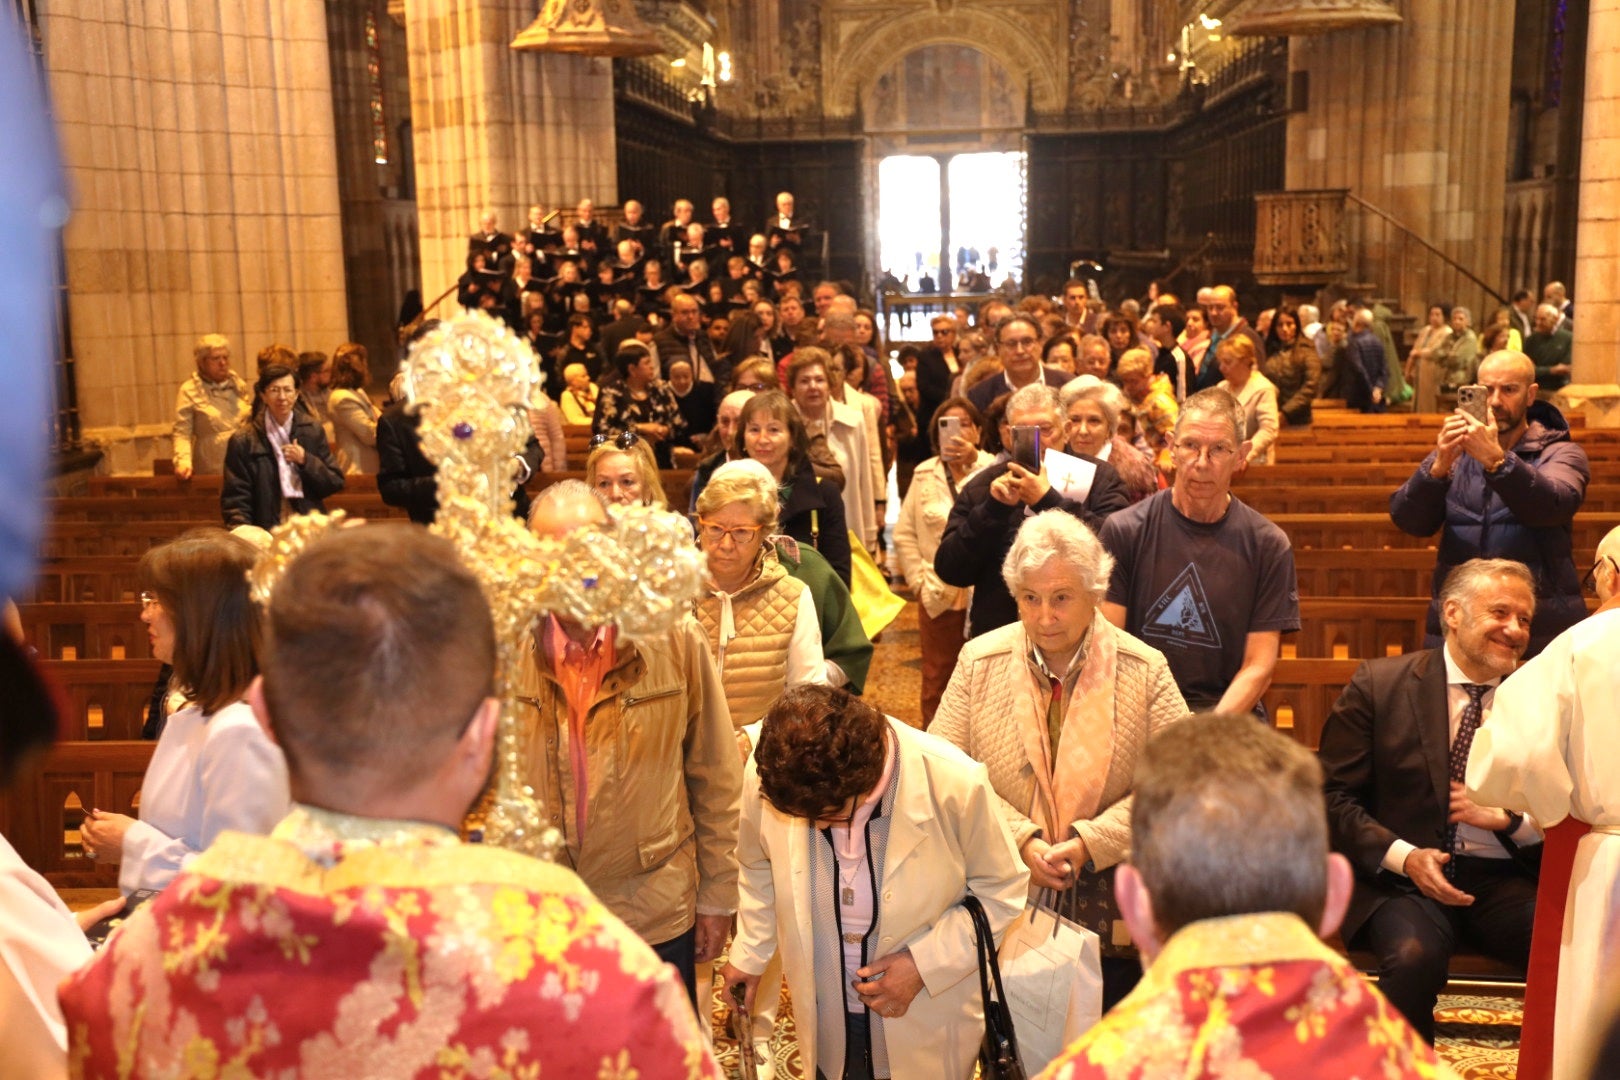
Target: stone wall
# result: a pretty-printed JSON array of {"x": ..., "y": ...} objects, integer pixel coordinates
[{"x": 199, "y": 141}]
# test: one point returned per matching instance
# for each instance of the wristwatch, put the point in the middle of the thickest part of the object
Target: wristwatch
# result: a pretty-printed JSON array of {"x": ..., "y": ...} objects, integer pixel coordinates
[{"x": 1515, "y": 819}]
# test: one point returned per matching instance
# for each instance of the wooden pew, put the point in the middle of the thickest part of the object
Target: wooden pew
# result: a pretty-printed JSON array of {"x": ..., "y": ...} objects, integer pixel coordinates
[
  {"x": 142, "y": 486},
  {"x": 189, "y": 507},
  {"x": 1376, "y": 531},
  {"x": 86, "y": 631},
  {"x": 1280, "y": 498},
  {"x": 107, "y": 699},
  {"x": 88, "y": 579},
  {"x": 42, "y": 813},
  {"x": 72, "y": 539},
  {"x": 1345, "y": 628},
  {"x": 1302, "y": 694},
  {"x": 1388, "y": 475}
]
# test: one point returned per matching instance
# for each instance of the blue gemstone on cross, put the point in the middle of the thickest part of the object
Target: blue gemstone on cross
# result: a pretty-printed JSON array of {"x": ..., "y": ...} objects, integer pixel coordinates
[{"x": 462, "y": 430}]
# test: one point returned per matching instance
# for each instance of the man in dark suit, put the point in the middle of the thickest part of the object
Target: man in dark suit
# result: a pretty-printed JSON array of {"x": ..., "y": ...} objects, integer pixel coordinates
[
  {"x": 684, "y": 337},
  {"x": 1018, "y": 342},
  {"x": 1432, "y": 868}
]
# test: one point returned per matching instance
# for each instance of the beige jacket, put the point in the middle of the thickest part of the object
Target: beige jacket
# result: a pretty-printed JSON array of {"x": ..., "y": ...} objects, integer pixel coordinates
[
  {"x": 206, "y": 415},
  {"x": 756, "y": 625},
  {"x": 946, "y": 839},
  {"x": 354, "y": 418},
  {"x": 921, "y": 525},
  {"x": 976, "y": 710},
  {"x": 1259, "y": 400},
  {"x": 663, "y": 781}
]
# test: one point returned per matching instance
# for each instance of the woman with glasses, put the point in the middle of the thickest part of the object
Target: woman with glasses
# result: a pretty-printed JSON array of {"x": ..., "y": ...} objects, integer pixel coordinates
[
  {"x": 769, "y": 431},
  {"x": 621, "y": 468},
  {"x": 278, "y": 463},
  {"x": 214, "y": 768},
  {"x": 860, "y": 838},
  {"x": 641, "y": 403},
  {"x": 761, "y": 622}
]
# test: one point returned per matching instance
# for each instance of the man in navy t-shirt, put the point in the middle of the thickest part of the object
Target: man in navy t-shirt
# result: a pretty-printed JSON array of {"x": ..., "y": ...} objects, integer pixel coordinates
[{"x": 1200, "y": 576}]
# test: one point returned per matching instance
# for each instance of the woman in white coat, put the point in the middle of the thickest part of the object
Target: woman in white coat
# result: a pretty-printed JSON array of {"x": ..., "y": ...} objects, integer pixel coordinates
[
  {"x": 941, "y": 609},
  {"x": 844, "y": 428},
  {"x": 214, "y": 768},
  {"x": 860, "y": 837}
]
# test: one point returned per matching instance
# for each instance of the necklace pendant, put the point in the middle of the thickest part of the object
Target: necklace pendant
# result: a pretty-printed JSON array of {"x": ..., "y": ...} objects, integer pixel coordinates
[{"x": 848, "y": 896}]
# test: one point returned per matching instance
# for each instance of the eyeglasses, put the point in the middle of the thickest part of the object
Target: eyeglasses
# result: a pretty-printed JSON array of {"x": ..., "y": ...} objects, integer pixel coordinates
[
  {"x": 1589, "y": 582},
  {"x": 1020, "y": 343},
  {"x": 1189, "y": 452},
  {"x": 149, "y": 600},
  {"x": 624, "y": 440},
  {"x": 741, "y": 535},
  {"x": 755, "y": 387}
]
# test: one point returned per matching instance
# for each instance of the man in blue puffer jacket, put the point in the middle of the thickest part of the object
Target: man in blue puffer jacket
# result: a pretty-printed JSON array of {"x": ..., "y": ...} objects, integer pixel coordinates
[{"x": 1506, "y": 489}]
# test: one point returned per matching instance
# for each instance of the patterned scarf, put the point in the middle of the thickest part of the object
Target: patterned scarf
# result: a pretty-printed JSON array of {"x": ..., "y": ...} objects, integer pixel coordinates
[{"x": 1071, "y": 789}]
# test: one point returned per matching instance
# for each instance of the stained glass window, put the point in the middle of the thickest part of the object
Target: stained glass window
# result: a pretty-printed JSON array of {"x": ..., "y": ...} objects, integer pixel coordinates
[{"x": 379, "y": 126}]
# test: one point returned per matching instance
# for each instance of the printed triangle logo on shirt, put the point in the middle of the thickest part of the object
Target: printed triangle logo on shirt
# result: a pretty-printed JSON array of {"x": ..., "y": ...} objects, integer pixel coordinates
[{"x": 1181, "y": 614}]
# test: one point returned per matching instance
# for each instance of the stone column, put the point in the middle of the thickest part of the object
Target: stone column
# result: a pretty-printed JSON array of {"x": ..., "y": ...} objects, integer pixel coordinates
[
  {"x": 1596, "y": 289},
  {"x": 1411, "y": 117},
  {"x": 498, "y": 129},
  {"x": 199, "y": 140}
]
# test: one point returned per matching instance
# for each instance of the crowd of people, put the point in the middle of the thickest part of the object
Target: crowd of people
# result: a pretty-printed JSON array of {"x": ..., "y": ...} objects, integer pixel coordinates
[{"x": 1088, "y": 581}]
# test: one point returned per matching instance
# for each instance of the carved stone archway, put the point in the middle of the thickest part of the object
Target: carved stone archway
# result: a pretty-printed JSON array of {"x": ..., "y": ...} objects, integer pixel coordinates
[{"x": 853, "y": 68}]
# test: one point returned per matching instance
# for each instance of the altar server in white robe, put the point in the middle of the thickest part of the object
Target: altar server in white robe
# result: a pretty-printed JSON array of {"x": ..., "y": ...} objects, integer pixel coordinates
[{"x": 1552, "y": 748}]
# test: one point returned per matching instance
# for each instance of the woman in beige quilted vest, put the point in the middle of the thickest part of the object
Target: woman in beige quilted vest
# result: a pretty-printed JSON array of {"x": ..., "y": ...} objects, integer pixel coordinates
[
  {"x": 763, "y": 630},
  {"x": 761, "y": 623},
  {"x": 1058, "y": 706}
]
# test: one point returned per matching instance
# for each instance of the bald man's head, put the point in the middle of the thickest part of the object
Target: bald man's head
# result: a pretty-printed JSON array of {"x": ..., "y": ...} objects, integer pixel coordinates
[
  {"x": 1606, "y": 573},
  {"x": 564, "y": 507},
  {"x": 1508, "y": 364}
]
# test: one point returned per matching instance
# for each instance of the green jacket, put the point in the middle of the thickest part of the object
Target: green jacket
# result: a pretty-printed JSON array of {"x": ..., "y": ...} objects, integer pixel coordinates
[{"x": 842, "y": 639}]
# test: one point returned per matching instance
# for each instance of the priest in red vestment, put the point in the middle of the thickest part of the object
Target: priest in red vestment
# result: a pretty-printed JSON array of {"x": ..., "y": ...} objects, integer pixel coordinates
[
  {"x": 1229, "y": 884},
  {"x": 362, "y": 938}
]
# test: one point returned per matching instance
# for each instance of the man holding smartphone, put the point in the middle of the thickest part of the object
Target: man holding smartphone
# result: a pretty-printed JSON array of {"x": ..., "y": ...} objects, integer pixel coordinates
[
  {"x": 1506, "y": 486},
  {"x": 1039, "y": 475}
]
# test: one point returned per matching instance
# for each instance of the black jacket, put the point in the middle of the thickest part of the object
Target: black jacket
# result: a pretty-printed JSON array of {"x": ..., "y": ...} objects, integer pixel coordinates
[
  {"x": 813, "y": 514},
  {"x": 980, "y": 532},
  {"x": 406, "y": 478},
  {"x": 1386, "y": 750},
  {"x": 251, "y": 491}
]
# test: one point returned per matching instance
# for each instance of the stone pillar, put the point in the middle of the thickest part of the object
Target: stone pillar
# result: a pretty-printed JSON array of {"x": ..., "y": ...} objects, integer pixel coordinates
[
  {"x": 499, "y": 129},
  {"x": 1596, "y": 289},
  {"x": 1412, "y": 118},
  {"x": 199, "y": 140}
]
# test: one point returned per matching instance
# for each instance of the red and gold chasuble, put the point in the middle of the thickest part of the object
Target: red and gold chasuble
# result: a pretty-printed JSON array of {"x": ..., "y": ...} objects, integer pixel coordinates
[
  {"x": 351, "y": 948},
  {"x": 1251, "y": 996}
]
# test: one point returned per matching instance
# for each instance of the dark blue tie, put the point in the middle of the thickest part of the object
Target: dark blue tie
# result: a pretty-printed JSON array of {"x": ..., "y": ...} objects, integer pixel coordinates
[{"x": 1459, "y": 762}]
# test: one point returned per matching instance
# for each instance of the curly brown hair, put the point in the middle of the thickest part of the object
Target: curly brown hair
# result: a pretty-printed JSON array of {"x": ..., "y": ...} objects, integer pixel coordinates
[{"x": 819, "y": 747}]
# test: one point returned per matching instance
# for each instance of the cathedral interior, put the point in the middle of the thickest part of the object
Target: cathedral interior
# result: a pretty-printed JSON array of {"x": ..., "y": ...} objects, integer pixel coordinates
[{"x": 288, "y": 170}]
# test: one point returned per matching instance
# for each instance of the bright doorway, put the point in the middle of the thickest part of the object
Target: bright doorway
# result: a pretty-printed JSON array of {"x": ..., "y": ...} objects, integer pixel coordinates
[{"x": 964, "y": 212}]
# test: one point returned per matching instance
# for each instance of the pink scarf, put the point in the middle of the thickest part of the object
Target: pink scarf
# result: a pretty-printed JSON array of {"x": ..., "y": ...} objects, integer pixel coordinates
[{"x": 1071, "y": 789}]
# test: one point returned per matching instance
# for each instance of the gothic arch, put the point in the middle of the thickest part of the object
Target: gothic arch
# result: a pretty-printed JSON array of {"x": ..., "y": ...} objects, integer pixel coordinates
[{"x": 854, "y": 68}]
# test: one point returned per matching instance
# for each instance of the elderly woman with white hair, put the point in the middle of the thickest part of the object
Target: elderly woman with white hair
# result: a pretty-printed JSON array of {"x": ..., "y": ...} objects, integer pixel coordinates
[
  {"x": 1091, "y": 409},
  {"x": 1058, "y": 706}
]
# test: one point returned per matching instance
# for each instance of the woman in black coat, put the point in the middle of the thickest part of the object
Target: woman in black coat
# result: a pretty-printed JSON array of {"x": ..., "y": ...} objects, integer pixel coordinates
[
  {"x": 278, "y": 463},
  {"x": 812, "y": 508}
]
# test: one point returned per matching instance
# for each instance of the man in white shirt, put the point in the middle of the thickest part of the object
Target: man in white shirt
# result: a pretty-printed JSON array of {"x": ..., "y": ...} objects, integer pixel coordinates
[{"x": 1433, "y": 868}]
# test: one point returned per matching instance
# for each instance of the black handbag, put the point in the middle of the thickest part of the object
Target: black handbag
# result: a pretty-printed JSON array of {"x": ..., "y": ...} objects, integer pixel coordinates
[{"x": 998, "y": 1054}]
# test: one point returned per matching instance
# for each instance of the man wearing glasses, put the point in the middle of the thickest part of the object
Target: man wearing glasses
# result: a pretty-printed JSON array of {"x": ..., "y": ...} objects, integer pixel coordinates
[
  {"x": 1200, "y": 576},
  {"x": 1018, "y": 342}
]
